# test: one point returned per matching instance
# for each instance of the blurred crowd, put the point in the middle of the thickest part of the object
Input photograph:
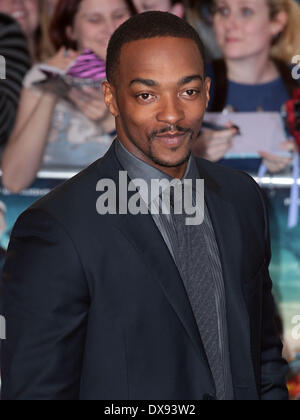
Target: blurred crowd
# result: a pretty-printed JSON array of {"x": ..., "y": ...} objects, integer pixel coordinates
[{"x": 250, "y": 46}]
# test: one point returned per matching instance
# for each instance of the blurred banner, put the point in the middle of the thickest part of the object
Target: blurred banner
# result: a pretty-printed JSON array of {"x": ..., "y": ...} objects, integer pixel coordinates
[{"x": 285, "y": 273}]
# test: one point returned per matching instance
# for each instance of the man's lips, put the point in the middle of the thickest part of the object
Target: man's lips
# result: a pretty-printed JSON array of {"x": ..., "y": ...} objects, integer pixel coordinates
[
  {"x": 172, "y": 138},
  {"x": 171, "y": 135}
]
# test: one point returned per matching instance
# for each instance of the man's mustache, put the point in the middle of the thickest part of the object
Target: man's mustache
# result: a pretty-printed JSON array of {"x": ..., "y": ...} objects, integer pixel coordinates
[{"x": 171, "y": 128}]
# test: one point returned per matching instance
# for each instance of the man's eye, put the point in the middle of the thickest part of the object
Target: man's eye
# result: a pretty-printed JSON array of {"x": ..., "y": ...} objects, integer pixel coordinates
[
  {"x": 145, "y": 97},
  {"x": 190, "y": 93}
]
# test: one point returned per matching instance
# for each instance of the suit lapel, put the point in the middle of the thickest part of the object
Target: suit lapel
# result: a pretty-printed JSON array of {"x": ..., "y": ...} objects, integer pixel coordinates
[
  {"x": 228, "y": 235},
  {"x": 143, "y": 233}
]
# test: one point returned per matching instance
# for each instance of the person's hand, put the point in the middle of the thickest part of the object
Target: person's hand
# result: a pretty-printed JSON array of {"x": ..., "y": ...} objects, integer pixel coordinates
[
  {"x": 276, "y": 163},
  {"x": 213, "y": 145},
  {"x": 61, "y": 60},
  {"x": 90, "y": 102}
]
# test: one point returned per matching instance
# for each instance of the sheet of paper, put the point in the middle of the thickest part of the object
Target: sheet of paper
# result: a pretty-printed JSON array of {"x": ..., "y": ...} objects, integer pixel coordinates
[{"x": 261, "y": 131}]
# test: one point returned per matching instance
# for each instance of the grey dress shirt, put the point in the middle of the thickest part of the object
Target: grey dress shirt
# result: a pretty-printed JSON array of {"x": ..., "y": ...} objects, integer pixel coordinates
[{"x": 165, "y": 223}]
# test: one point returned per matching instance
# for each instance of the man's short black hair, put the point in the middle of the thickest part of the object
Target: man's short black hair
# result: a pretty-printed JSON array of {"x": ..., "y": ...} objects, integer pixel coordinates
[{"x": 146, "y": 26}]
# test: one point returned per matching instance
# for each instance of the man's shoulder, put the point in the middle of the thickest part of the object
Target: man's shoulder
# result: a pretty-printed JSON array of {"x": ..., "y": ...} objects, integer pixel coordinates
[
  {"x": 225, "y": 177},
  {"x": 237, "y": 187},
  {"x": 70, "y": 210},
  {"x": 240, "y": 190},
  {"x": 78, "y": 194}
]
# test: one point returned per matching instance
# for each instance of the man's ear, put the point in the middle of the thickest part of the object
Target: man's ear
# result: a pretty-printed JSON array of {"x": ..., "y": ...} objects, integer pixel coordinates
[
  {"x": 207, "y": 90},
  {"x": 178, "y": 10},
  {"x": 110, "y": 99}
]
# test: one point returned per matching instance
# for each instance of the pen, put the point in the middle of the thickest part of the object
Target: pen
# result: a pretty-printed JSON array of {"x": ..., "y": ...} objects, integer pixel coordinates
[{"x": 216, "y": 127}]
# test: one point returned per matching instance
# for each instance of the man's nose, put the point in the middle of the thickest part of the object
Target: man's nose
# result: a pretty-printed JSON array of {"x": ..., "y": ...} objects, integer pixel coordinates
[{"x": 171, "y": 111}]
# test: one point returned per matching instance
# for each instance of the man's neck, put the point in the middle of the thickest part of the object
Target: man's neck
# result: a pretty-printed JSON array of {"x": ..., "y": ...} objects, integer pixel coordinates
[
  {"x": 173, "y": 172},
  {"x": 177, "y": 172}
]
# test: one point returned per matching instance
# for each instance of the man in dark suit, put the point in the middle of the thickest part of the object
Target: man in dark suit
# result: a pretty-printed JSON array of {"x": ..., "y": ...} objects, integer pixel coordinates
[{"x": 120, "y": 306}]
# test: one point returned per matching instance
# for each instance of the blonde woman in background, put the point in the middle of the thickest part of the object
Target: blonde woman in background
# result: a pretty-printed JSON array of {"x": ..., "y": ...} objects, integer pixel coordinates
[{"x": 258, "y": 39}]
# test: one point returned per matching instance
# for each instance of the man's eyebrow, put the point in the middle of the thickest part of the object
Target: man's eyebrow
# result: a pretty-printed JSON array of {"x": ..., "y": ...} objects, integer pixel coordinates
[
  {"x": 189, "y": 79},
  {"x": 146, "y": 82},
  {"x": 153, "y": 83}
]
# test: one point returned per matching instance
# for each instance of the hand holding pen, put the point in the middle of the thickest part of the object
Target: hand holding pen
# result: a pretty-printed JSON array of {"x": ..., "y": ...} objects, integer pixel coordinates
[{"x": 215, "y": 141}]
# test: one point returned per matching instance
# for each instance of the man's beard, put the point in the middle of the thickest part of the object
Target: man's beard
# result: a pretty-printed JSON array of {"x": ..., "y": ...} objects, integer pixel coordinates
[{"x": 163, "y": 163}]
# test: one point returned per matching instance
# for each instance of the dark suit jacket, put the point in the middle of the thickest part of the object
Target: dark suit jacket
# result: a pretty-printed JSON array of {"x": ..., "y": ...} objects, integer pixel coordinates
[{"x": 96, "y": 308}]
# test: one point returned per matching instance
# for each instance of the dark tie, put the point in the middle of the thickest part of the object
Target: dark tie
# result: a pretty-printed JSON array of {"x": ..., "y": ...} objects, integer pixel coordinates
[{"x": 194, "y": 265}]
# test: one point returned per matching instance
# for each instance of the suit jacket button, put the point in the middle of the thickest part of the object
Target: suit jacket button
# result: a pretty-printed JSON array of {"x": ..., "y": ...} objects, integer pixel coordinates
[{"x": 209, "y": 397}]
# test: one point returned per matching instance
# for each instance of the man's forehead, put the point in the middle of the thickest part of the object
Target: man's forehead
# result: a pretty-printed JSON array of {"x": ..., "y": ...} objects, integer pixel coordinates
[{"x": 161, "y": 55}]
